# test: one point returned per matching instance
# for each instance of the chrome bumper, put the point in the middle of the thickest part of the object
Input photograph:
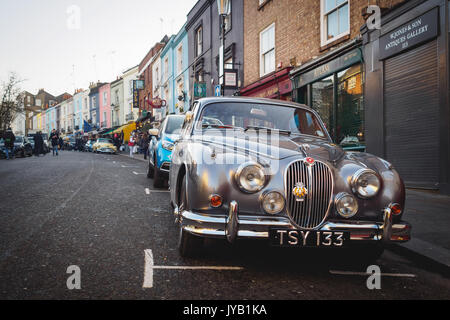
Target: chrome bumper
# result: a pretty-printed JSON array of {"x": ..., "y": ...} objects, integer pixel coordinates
[{"x": 235, "y": 226}]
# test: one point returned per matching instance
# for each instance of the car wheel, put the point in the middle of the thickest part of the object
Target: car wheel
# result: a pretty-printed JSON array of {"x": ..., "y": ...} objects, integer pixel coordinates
[
  {"x": 158, "y": 180},
  {"x": 150, "y": 171},
  {"x": 188, "y": 244}
]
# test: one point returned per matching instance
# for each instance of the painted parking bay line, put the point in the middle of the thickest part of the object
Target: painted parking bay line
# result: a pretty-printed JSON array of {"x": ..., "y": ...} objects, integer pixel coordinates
[
  {"x": 148, "y": 191},
  {"x": 136, "y": 173},
  {"x": 149, "y": 267},
  {"x": 365, "y": 274}
]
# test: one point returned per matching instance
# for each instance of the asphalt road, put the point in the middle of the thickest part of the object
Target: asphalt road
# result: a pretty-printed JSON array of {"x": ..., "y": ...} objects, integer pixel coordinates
[{"x": 93, "y": 211}]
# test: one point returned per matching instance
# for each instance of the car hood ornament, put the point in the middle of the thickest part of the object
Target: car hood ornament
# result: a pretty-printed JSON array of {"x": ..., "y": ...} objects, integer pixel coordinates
[{"x": 300, "y": 192}]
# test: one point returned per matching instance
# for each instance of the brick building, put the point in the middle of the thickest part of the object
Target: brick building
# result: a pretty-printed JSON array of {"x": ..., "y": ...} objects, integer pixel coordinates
[
  {"x": 309, "y": 51},
  {"x": 145, "y": 73}
]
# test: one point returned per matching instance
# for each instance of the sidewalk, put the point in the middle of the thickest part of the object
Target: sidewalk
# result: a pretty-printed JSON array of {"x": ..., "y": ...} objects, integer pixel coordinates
[
  {"x": 139, "y": 157},
  {"x": 429, "y": 215}
]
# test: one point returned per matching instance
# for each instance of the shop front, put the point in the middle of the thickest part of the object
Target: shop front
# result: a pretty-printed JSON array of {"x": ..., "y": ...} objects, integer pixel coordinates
[
  {"x": 333, "y": 86},
  {"x": 275, "y": 86},
  {"x": 407, "y": 92}
]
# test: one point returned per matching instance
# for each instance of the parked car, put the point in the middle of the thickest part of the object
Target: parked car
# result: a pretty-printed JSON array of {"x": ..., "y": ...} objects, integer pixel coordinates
[
  {"x": 22, "y": 147},
  {"x": 104, "y": 145},
  {"x": 88, "y": 146},
  {"x": 160, "y": 149},
  {"x": 269, "y": 170}
]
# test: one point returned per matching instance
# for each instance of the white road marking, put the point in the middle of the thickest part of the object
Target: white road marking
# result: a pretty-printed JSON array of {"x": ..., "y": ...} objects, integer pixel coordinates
[
  {"x": 365, "y": 274},
  {"x": 148, "y": 191},
  {"x": 129, "y": 166},
  {"x": 137, "y": 173},
  {"x": 149, "y": 267}
]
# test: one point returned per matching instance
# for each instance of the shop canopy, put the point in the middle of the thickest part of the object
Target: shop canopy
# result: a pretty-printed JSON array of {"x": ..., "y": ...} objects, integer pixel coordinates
[{"x": 127, "y": 129}]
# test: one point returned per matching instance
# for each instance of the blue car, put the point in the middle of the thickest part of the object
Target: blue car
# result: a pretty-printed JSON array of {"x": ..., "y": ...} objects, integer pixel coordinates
[{"x": 160, "y": 149}]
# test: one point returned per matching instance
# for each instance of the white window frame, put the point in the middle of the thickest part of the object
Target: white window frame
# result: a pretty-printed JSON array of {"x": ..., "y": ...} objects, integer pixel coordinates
[
  {"x": 324, "y": 26},
  {"x": 179, "y": 58},
  {"x": 261, "y": 54}
]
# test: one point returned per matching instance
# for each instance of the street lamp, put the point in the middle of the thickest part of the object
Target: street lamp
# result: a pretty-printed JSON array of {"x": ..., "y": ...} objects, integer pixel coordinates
[{"x": 224, "y": 7}]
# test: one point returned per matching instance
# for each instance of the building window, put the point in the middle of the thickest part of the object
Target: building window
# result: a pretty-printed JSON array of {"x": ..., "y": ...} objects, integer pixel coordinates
[
  {"x": 199, "y": 41},
  {"x": 105, "y": 98},
  {"x": 335, "y": 20},
  {"x": 166, "y": 68},
  {"x": 267, "y": 50},
  {"x": 179, "y": 59}
]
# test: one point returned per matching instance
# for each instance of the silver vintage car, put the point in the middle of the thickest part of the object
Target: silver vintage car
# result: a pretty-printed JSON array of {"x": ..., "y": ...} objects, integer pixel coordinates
[{"x": 268, "y": 169}]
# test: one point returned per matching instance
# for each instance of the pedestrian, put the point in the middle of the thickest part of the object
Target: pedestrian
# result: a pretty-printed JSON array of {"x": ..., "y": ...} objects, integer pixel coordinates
[
  {"x": 54, "y": 138},
  {"x": 145, "y": 144},
  {"x": 38, "y": 144},
  {"x": 131, "y": 144},
  {"x": 9, "y": 139},
  {"x": 60, "y": 143}
]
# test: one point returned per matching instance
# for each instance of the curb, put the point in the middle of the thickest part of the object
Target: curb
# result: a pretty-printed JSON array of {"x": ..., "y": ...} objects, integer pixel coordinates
[
  {"x": 128, "y": 157},
  {"x": 426, "y": 261}
]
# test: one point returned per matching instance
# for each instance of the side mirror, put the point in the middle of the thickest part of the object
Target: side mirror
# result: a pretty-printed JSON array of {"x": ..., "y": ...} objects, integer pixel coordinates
[{"x": 153, "y": 132}]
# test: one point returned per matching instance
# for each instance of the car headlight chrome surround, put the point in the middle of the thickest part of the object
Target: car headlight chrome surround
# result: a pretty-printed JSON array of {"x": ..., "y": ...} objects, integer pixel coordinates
[
  {"x": 168, "y": 145},
  {"x": 346, "y": 205},
  {"x": 273, "y": 202},
  {"x": 250, "y": 177},
  {"x": 365, "y": 183}
]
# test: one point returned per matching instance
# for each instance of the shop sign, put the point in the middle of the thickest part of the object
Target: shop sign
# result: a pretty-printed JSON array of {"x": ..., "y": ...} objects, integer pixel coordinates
[
  {"x": 231, "y": 79},
  {"x": 415, "y": 32},
  {"x": 157, "y": 103},
  {"x": 199, "y": 89},
  {"x": 135, "y": 96},
  {"x": 326, "y": 69}
]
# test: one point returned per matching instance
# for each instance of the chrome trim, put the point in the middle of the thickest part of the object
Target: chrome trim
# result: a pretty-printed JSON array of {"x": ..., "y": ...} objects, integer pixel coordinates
[
  {"x": 355, "y": 178},
  {"x": 232, "y": 222},
  {"x": 387, "y": 225},
  {"x": 330, "y": 201},
  {"x": 257, "y": 227}
]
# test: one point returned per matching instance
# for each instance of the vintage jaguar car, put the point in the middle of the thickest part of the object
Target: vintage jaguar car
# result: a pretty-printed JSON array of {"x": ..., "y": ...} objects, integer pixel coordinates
[{"x": 268, "y": 169}]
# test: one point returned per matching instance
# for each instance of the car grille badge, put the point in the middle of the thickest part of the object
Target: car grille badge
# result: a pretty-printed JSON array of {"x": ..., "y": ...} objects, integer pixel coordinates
[{"x": 300, "y": 192}]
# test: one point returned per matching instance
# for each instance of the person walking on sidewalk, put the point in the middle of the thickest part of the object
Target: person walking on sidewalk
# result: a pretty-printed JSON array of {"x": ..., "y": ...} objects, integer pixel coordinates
[
  {"x": 9, "y": 139},
  {"x": 54, "y": 137}
]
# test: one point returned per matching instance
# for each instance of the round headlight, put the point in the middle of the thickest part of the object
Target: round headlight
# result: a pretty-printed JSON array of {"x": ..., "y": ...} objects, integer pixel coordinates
[
  {"x": 250, "y": 177},
  {"x": 365, "y": 183},
  {"x": 346, "y": 205},
  {"x": 273, "y": 202}
]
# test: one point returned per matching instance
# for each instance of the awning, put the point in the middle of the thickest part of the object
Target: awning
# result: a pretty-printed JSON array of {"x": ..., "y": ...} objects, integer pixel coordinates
[{"x": 127, "y": 129}]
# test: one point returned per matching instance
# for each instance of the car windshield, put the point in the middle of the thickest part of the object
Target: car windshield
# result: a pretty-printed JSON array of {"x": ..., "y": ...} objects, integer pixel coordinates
[
  {"x": 174, "y": 125},
  {"x": 19, "y": 140},
  {"x": 261, "y": 116},
  {"x": 104, "y": 141}
]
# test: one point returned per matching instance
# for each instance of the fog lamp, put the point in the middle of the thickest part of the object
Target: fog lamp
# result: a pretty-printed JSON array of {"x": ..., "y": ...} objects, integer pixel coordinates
[
  {"x": 346, "y": 205},
  {"x": 273, "y": 202}
]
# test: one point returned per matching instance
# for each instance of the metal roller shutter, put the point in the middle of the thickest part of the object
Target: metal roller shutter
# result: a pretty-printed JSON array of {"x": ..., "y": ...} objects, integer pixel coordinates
[{"x": 411, "y": 113}]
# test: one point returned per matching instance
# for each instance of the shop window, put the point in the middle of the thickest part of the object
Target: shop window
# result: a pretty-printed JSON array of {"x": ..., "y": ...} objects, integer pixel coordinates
[
  {"x": 350, "y": 109},
  {"x": 322, "y": 101},
  {"x": 335, "y": 20}
]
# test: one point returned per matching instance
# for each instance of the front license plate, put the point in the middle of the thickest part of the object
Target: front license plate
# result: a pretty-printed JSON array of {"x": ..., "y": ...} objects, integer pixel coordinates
[{"x": 302, "y": 238}]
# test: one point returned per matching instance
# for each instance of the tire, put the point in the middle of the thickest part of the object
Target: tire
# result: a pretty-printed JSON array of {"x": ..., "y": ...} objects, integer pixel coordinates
[
  {"x": 158, "y": 180},
  {"x": 150, "y": 171},
  {"x": 189, "y": 245}
]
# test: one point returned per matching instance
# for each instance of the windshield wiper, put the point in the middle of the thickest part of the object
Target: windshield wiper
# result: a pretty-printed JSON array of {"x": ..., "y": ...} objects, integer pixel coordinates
[
  {"x": 287, "y": 132},
  {"x": 218, "y": 126}
]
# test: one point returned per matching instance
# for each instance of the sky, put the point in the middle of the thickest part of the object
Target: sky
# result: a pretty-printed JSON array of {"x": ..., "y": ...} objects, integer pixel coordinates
[{"x": 61, "y": 45}]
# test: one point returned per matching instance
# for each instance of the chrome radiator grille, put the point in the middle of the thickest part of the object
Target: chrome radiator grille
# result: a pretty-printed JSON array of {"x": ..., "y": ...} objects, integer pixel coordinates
[{"x": 317, "y": 178}]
